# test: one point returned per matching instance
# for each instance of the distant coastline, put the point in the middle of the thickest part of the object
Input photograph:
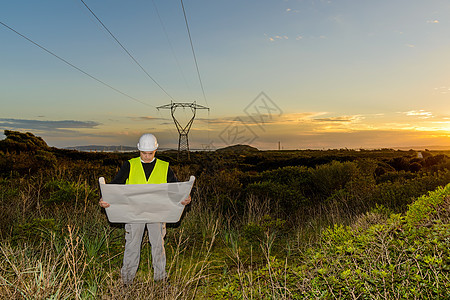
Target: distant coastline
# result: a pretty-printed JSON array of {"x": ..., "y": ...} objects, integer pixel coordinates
[
  {"x": 120, "y": 148},
  {"x": 100, "y": 148}
]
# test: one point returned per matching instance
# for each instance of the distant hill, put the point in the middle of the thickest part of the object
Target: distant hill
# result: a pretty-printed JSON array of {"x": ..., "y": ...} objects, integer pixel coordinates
[
  {"x": 238, "y": 148},
  {"x": 100, "y": 148},
  {"x": 417, "y": 148}
]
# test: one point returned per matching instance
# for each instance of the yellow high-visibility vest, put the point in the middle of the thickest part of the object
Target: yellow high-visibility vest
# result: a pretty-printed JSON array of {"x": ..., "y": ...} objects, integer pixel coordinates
[{"x": 137, "y": 174}]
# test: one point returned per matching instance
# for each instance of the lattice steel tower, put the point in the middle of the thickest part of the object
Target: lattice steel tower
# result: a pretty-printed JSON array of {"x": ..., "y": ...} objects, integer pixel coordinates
[{"x": 183, "y": 131}]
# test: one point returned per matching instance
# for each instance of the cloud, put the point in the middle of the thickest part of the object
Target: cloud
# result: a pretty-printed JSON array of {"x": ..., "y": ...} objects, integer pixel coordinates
[
  {"x": 225, "y": 120},
  {"x": 299, "y": 117},
  {"x": 290, "y": 10},
  {"x": 442, "y": 90},
  {"x": 282, "y": 119},
  {"x": 316, "y": 123},
  {"x": 370, "y": 139},
  {"x": 433, "y": 21},
  {"x": 341, "y": 119},
  {"x": 276, "y": 37},
  {"x": 410, "y": 46},
  {"x": 46, "y": 125},
  {"x": 306, "y": 122},
  {"x": 422, "y": 114},
  {"x": 56, "y": 133},
  {"x": 339, "y": 19},
  {"x": 148, "y": 118},
  {"x": 294, "y": 130},
  {"x": 328, "y": 130}
]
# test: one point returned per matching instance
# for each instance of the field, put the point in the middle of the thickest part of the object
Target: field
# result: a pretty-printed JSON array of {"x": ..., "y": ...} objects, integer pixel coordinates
[{"x": 309, "y": 224}]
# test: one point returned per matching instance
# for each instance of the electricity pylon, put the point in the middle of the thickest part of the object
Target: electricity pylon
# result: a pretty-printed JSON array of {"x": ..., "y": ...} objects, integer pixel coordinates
[{"x": 183, "y": 131}]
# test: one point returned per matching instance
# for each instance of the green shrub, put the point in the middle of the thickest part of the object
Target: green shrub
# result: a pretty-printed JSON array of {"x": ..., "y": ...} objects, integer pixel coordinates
[
  {"x": 329, "y": 178},
  {"x": 255, "y": 233},
  {"x": 427, "y": 206},
  {"x": 61, "y": 191},
  {"x": 284, "y": 198},
  {"x": 47, "y": 159},
  {"x": 398, "y": 195},
  {"x": 64, "y": 191},
  {"x": 403, "y": 257},
  {"x": 35, "y": 231},
  {"x": 390, "y": 258},
  {"x": 399, "y": 163}
]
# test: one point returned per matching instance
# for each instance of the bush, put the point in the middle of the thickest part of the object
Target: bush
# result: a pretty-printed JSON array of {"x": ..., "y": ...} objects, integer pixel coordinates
[
  {"x": 401, "y": 257},
  {"x": 63, "y": 191},
  {"x": 329, "y": 178},
  {"x": 19, "y": 142},
  {"x": 35, "y": 231},
  {"x": 434, "y": 205},
  {"x": 398, "y": 195},
  {"x": 285, "y": 198}
]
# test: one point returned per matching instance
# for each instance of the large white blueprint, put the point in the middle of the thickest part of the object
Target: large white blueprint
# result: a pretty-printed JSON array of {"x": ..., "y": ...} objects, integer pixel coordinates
[{"x": 145, "y": 203}]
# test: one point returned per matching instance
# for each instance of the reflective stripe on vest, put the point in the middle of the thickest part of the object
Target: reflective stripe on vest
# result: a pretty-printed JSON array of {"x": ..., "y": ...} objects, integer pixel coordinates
[{"x": 137, "y": 174}]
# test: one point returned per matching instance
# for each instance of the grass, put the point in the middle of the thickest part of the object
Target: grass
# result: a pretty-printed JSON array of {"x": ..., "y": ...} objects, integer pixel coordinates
[
  {"x": 379, "y": 258},
  {"x": 84, "y": 268},
  {"x": 56, "y": 243}
]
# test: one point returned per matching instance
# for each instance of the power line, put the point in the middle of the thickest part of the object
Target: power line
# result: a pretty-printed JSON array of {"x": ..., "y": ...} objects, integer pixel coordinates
[
  {"x": 73, "y": 66},
  {"x": 193, "y": 52},
  {"x": 170, "y": 45},
  {"x": 129, "y": 54}
]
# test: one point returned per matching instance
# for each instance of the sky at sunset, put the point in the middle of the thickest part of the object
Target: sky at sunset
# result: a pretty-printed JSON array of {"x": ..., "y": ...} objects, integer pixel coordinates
[{"x": 302, "y": 74}]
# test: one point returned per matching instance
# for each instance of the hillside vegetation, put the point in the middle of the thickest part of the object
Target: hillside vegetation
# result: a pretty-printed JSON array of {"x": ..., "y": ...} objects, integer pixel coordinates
[{"x": 336, "y": 224}]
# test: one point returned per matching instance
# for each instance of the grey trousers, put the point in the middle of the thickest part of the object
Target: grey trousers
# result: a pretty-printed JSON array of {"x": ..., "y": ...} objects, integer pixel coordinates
[{"x": 132, "y": 254}]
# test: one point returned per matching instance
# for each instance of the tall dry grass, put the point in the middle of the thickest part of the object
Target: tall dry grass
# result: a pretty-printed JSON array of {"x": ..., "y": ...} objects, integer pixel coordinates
[{"x": 67, "y": 270}]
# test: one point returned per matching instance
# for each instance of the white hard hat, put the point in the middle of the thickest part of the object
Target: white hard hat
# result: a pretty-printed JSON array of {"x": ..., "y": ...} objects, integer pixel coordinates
[{"x": 147, "y": 142}]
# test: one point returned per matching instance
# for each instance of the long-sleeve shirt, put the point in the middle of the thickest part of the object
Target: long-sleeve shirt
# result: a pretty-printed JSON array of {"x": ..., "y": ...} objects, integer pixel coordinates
[{"x": 124, "y": 172}]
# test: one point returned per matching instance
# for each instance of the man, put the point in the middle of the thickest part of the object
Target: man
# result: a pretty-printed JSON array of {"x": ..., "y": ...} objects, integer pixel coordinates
[{"x": 144, "y": 169}]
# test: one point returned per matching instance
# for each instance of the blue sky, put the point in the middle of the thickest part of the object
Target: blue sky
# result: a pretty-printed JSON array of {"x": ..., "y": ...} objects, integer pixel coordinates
[{"x": 307, "y": 74}]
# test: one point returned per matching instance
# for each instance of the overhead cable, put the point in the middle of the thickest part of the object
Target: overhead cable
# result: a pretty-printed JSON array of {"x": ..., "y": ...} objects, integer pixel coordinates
[
  {"x": 73, "y": 66},
  {"x": 169, "y": 43},
  {"x": 193, "y": 52},
  {"x": 129, "y": 54}
]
